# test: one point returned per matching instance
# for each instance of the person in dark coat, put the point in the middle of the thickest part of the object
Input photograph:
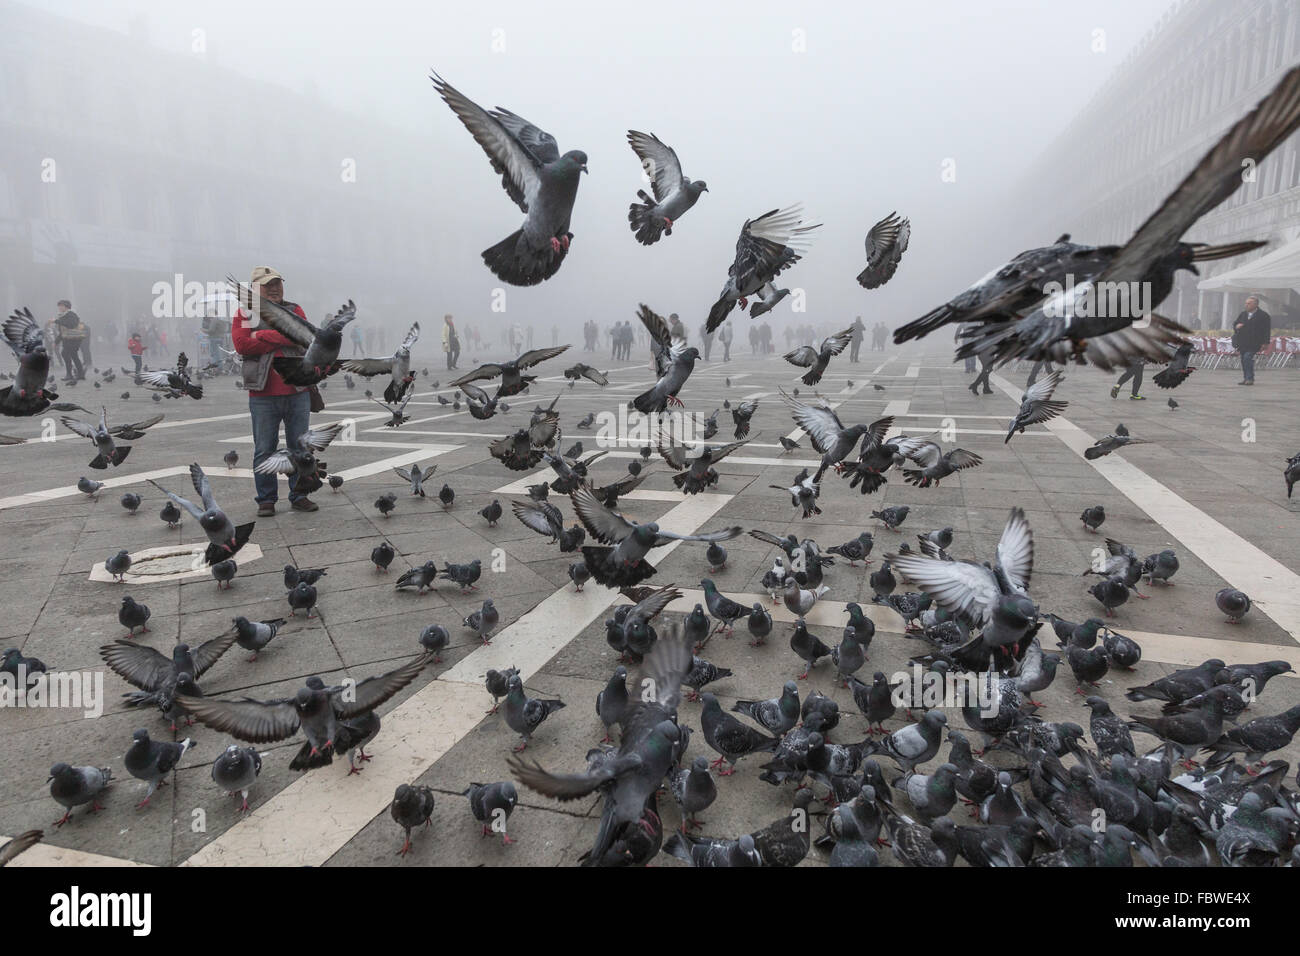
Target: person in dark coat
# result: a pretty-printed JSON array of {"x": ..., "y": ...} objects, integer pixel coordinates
[{"x": 1251, "y": 332}]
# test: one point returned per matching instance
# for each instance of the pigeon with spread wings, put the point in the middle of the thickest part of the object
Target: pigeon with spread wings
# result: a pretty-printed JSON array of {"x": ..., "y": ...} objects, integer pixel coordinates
[
  {"x": 396, "y": 410},
  {"x": 674, "y": 362},
  {"x": 1112, "y": 442},
  {"x": 832, "y": 440},
  {"x": 767, "y": 246},
  {"x": 622, "y": 562},
  {"x": 582, "y": 370},
  {"x": 541, "y": 182},
  {"x": 28, "y": 395},
  {"x": 886, "y": 242},
  {"x": 416, "y": 477},
  {"x": 397, "y": 366},
  {"x": 1177, "y": 371},
  {"x": 524, "y": 448},
  {"x": 674, "y": 194},
  {"x": 547, "y": 520},
  {"x": 935, "y": 464},
  {"x": 318, "y": 710},
  {"x": 973, "y": 591},
  {"x": 650, "y": 741},
  {"x": 107, "y": 451},
  {"x": 694, "y": 466},
  {"x": 1083, "y": 319},
  {"x": 815, "y": 359},
  {"x": 224, "y": 537},
  {"x": 513, "y": 381},
  {"x": 173, "y": 382},
  {"x": 1036, "y": 405},
  {"x": 320, "y": 346},
  {"x": 306, "y": 474}
]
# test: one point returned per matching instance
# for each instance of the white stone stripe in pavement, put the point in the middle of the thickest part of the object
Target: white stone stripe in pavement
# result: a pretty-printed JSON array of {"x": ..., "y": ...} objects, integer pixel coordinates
[
  {"x": 48, "y": 855},
  {"x": 1273, "y": 587}
]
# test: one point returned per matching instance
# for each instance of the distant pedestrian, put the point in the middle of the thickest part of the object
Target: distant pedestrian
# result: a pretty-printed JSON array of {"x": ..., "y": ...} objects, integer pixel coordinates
[
  {"x": 135, "y": 345},
  {"x": 71, "y": 332},
  {"x": 450, "y": 341},
  {"x": 1251, "y": 332},
  {"x": 855, "y": 339}
]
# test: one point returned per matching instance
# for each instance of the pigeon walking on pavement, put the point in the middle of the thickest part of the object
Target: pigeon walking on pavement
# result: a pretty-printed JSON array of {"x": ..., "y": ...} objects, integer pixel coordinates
[
  {"x": 73, "y": 787},
  {"x": 491, "y": 805},
  {"x": 412, "y": 807},
  {"x": 152, "y": 761},
  {"x": 235, "y": 770}
]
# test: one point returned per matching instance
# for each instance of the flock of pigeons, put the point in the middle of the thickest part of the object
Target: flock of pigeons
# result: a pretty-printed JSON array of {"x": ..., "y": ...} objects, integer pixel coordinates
[{"x": 976, "y": 620}]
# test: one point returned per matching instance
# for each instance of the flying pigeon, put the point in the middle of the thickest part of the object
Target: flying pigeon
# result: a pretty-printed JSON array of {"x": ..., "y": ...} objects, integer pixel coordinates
[
  {"x": 317, "y": 709},
  {"x": 1116, "y": 440},
  {"x": 225, "y": 538},
  {"x": 1036, "y": 405},
  {"x": 1177, "y": 371},
  {"x": 28, "y": 395},
  {"x": 767, "y": 246},
  {"x": 535, "y": 176},
  {"x": 416, "y": 477},
  {"x": 1017, "y": 311},
  {"x": 886, "y": 242},
  {"x": 397, "y": 367},
  {"x": 674, "y": 362},
  {"x": 674, "y": 194},
  {"x": 623, "y": 562}
]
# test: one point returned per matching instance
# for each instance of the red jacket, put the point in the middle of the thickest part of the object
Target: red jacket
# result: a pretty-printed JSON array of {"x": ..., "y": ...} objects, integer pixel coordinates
[
  {"x": 259, "y": 341},
  {"x": 135, "y": 346}
]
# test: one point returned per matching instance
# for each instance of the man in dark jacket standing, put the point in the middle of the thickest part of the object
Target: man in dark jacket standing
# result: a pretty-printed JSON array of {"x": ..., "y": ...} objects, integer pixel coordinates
[{"x": 1251, "y": 332}]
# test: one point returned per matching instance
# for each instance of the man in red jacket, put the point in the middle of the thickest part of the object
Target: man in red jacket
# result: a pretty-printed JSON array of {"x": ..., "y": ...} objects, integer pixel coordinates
[{"x": 270, "y": 400}]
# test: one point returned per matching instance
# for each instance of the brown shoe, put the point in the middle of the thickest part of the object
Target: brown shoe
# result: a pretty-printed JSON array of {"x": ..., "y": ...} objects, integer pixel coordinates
[
  {"x": 266, "y": 509},
  {"x": 305, "y": 504}
]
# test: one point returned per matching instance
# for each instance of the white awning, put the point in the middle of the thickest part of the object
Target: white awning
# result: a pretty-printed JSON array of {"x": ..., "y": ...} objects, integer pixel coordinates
[{"x": 1280, "y": 269}]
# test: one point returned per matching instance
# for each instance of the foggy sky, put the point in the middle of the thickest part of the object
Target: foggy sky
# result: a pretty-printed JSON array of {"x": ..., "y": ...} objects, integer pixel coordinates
[{"x": 855, "y": 127}]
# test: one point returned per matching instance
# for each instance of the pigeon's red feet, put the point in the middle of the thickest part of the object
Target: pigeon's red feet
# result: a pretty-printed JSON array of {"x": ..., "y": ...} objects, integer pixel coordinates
[
  {"x": 63, "y": 819},
  {"x": 564, "y": 241},
  {"x": 353, "y": 768},
  {"x": 406, "y": 848},
  {"x": 717, "y": 763},
  {"x": 803, "y": 676},
  {"x": 243, "y": 808},
  {"x": 521, "y": 748},
  {"x": 744, "y": 303},
  {"x": 668, "y": 223}
]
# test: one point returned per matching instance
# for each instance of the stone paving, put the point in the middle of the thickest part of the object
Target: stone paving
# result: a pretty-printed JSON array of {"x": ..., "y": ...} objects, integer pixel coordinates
[{"x": 1197, "y": 470}]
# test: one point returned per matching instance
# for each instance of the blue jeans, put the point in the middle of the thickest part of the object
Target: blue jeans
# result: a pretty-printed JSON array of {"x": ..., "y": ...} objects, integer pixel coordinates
[
  {"x": 268, "y": 411},
  {"x": 1248, "y": 366}
]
